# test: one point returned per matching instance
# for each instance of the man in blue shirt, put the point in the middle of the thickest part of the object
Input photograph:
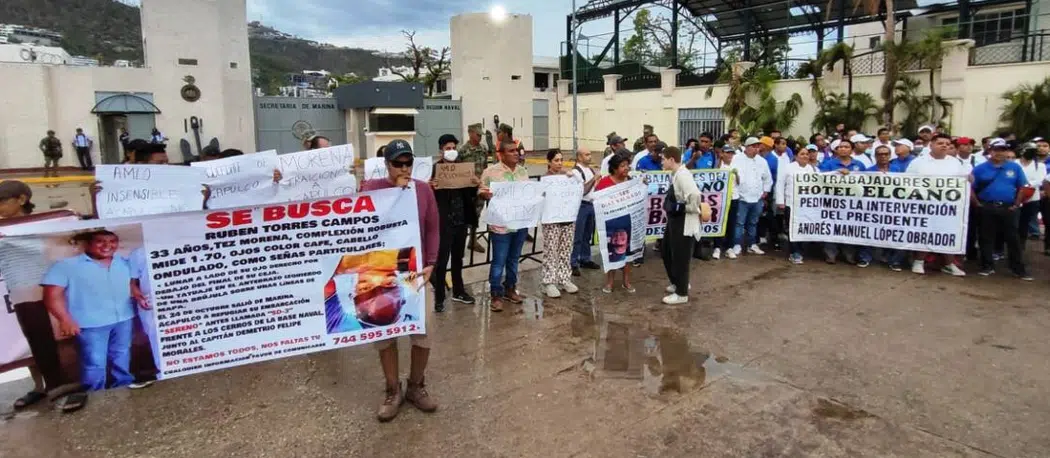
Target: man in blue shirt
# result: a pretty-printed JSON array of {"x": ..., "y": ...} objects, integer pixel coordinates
[
  {"x": 92, "y": 298},
  {"x": 704, "y": 158},
  {"x": 996, "y": 191},
  {"x": 652, "y": 162},
  {"x": 843, "y": 163},
  {"x": 903, "y": 149}
]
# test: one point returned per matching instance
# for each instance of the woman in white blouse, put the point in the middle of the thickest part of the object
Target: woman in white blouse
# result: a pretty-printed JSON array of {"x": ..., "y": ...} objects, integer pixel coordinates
[
  {"x": 1035, "y": 172},
  {"x": 785, "y": 188}
]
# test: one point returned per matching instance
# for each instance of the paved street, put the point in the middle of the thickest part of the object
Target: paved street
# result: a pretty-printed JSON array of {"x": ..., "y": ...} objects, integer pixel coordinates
[{"x": 768, "y": 360}]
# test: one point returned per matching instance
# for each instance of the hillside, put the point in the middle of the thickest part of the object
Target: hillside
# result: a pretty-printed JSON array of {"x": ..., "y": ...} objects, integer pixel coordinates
[{"x": 109, "y": 30}]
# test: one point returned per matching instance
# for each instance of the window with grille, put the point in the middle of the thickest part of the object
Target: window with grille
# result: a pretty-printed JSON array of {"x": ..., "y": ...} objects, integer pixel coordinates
[
  {"x": 694, "y": 121},
  {"x": 993, "y": 27}
]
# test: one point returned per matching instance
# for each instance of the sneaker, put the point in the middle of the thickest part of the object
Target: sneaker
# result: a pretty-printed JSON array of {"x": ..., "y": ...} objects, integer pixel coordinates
[
  {"x": 570, "y": 287},
  {"x": 986, "y": 272},
  {"x": 918, "y": 267},
  {"x": 551, "y": 291},
  {"x": 513, "y": 296},
  {"x": 391, "y": 404},
  {"x": 675, "y": 299},
  {"x": 142, "y": 384},
  {"x": 1025, "y": 277},
  {"x": 953, "y": 270},
  {"x": 417, "y": 395},
  {"x": 795, "y": 259},
  {"x": 463, "y": 298},
  {"x": 636, "y": 264},
  {"x": 576, "y": 272},
  {"x": 731, "y": 254},
  {"x": 895, "y": 267},
  {"x": 591, "y": 265},
  {"x": 998, "y": 256},
  {"x": 862, "y": 264},
  {"x": 717, "y": 254},
  {"x": 754, "y": 249},
  {"x": 439, "y": 306}
]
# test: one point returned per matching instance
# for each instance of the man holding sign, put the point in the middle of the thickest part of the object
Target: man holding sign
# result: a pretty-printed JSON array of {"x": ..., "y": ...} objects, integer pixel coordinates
[
  {"x": 506, "y": 241},
  {"x": 455, "y": 200}
]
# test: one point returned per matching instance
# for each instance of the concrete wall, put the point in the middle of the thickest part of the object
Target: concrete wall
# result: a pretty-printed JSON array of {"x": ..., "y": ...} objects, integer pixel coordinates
[
  {"x": 974, "y": 90},
  {"x": 59, "y": 97}
]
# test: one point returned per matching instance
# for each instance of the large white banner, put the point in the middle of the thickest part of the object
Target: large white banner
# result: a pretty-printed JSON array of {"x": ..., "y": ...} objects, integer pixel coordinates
[
  {"x": 240, "y": 181},
  {"x": 899, "y": 211},
  {"x": 140, "y": 189},
  {"x": 230, "y": 287},
  {"x": 515, "y": 204},
  {"x": 619, "y": 214}
]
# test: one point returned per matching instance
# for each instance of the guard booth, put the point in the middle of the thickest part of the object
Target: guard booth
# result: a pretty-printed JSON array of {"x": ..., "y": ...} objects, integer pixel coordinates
[{"x": 378, "y": 112}]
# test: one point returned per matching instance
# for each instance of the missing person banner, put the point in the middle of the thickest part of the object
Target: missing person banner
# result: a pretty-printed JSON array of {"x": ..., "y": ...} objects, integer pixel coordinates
[
  {"x": 620, "y": 217},
  {"x": 140, "y": 189},
  {"x": 183, "y": 294},
  {"x": 716, "y": 189},
  {"x": 239, "y": 181},
  {"x": 904, "y": 212}
]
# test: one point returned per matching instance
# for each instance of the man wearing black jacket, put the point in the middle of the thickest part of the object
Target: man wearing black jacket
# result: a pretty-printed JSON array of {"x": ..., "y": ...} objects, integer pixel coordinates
[{"x": 458, "y": 212}]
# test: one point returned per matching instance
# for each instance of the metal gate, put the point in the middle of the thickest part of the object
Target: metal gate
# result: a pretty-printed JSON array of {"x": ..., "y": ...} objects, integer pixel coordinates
[
  {"x": 541, "y": 126},
  {"x": 694, "y": 121},
  {"x": 438, "y": 117},
  {"x": 282, "y": 122}
]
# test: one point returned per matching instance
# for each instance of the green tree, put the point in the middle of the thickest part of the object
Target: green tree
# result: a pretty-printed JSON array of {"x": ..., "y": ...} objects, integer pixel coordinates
[
  {"x": 854, "y": 110},
  {"x": 931, "y": 50},
  {"x": 840, "y": 53},
  {"x": 907, "y": 98},
  {"x": 650, "y": 44},
  {"x": 765, "y": 52},
  {"x": 1027, "y": 109},
  {"x": 751, "y": 105}
]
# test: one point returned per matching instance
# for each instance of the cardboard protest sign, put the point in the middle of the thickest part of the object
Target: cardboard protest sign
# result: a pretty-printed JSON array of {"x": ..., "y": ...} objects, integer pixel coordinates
[
  {"x": 218, "y": 289},
  {"x": 454, "y": 175},
  {"x": 139, "y": 189},
  {"x": 898, "y": 211}
]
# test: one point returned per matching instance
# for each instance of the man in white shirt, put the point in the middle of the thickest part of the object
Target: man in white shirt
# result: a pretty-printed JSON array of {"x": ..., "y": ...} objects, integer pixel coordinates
[
  {"x": 754, "y": 182},
  {"x": 964, "y": 152},
  {"x": 82, "y": 144},
  {"x": 862, "y": 150},
  {"x": 581, "y": 247},
  {"x": 938, "y": 163},
  {"x": 925, "y": 136},
  {"x": 883, "y": 139}
]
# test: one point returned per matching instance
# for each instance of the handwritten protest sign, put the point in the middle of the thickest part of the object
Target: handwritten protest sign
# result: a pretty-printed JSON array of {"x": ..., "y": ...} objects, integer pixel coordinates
[
  {"x": 318, "y": 173},
  {"x": 422, "y": 168},
  {"x": 137, "y": 189},
  {"x": 515, "y": 204},
  {"x": 620, "y": 217},
  {"x": 241, "y": 180},
  {"x": 454, "y": 175},
  {"x": 562, "y": 198},
  {"x": 899, "y": 211},
  {"x": 716, "y": 189},
  {"x": 240, "y": 286}
]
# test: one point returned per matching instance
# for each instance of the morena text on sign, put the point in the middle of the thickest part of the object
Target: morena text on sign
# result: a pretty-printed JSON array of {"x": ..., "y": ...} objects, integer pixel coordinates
[{"x": 318, "y": 208}]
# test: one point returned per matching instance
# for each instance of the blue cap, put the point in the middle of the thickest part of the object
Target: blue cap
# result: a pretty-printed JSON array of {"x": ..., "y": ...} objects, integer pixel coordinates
[{"x": 396, "y": 149}]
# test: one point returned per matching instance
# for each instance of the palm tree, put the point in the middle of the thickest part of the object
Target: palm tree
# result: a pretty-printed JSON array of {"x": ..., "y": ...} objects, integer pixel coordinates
[
  {"x": 751, "y": 104},
  {"x": 854, "y": 110},
  {"x": 843, "y": 53},
  {"x": 1027, "y": 109},
  {"x": 875, "y": 7},
  {"x": 931, "y": 52},
  {"x": 906, "y": 97}
]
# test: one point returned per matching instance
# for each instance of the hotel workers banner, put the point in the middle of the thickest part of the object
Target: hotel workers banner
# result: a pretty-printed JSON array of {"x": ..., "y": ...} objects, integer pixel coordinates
[
  {"x": 620, "y": 216},
  {"x": 182, "y": 294},
  {"x": 904, "y": 212},
  {"x": 716, "y": 189}
]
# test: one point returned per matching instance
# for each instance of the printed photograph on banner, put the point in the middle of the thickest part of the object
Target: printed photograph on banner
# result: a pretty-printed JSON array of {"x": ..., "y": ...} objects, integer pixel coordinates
[
  {"x": 899, "y": 211},
  {"x": 620, "y": 219},
  {"x": 372, "y": 290},
  {"x": 126, "y": 190},
  {"x": 715, "y": 189},
  {"x": 80, "y": 302},
  {"x": 318, "y": 173},
  {"x": 239, "y": 286},
  {"x": 238, "y": 181}
]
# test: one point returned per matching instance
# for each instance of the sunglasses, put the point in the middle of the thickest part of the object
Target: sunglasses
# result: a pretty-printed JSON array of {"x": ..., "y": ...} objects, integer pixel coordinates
[{"x": 401, "y": 164}]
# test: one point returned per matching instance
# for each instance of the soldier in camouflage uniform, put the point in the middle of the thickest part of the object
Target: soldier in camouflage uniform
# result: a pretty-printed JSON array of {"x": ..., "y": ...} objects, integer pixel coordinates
[
  {"x": 639, "y": 144},
  {"x": 608, "y": 144},
  {"x": 473, "y": 150}
]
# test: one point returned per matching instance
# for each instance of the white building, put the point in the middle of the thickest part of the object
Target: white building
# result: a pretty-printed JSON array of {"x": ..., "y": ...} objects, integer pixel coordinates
[
  {"x": 29, "y": 35},
  {"x": 101, "y": 100},
  {"x": 33, "y": 54}
]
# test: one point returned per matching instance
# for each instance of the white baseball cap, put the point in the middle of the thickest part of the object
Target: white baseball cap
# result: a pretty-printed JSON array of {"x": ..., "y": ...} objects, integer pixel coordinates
[
  {"x": 927, "y": 128},
  {"x": 859, "y": 138},
  {"x": 751, "y": 141},
  {"x": 903, "y": 141}
]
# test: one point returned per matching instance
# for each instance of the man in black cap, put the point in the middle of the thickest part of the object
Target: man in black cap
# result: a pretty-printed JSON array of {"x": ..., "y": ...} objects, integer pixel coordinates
[
  {"x": 997, "y": 191},
  {"x": 614, "y": 144},
  {"x": 399, "y": 160},
  {"x": 458, "y": 212}
]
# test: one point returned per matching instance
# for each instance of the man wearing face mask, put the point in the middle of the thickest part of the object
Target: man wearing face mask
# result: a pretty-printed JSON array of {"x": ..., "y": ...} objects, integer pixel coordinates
[{"x": 457, "y": 211}]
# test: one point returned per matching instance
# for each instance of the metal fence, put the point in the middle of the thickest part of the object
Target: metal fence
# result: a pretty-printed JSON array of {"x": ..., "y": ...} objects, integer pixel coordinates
[{"x": 1030, "y": 48}]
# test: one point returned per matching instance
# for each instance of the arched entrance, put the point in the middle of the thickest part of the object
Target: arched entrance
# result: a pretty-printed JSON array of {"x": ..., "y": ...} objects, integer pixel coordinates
[{"x": 133, "y": 111}]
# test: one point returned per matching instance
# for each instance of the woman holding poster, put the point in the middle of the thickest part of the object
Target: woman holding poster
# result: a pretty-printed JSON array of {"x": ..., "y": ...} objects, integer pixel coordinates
[
  {"x": 557, "y": 241},
  {"x": 618, "y": 233}
]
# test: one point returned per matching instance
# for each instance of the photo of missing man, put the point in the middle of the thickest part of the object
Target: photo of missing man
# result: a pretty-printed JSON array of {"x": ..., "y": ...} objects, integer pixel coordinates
[
  {"x": 618, "y": 238},
  {"x": 373, "y": 289},
  {"x": 88, "y": 286}
]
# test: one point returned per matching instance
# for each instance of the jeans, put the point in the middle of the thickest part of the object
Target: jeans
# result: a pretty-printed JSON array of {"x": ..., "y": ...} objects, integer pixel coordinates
[
  {"x": 999, "y": 220},
  {"x": 1029, "y": 215},
  {"x": 864, "y": 254},
  {"x": 506, "y": 251},
  {"x": 725, "y": 242},
  {"x": 797, "y": 249},
  {"x": 105, "y": 346},
  {"x": 677, "y": 249},
  {"x": 1033, "y": 224},
  {"x": 452, "y": 245},
  {"x": 747, "y": 221},
  {"x": 581, "y": 243},
  {"x": 897, "y": 258}
]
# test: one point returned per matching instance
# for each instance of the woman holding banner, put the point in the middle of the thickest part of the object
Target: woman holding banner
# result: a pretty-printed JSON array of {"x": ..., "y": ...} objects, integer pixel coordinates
[
  {"x": 557, "y": 241},
  {"x": 619, "y": 167}
]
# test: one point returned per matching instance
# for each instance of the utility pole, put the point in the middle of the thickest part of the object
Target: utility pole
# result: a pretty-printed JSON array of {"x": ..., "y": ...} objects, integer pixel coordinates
[{"x": 575, "y": 80}]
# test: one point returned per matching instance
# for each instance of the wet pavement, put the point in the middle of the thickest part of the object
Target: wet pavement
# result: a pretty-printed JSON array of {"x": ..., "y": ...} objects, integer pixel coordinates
[{"x": 768, "y": 359}]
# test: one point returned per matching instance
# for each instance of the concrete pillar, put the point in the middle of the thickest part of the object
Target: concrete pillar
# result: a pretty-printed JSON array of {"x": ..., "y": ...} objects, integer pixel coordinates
[
  {"x": 563, "y": 88},
  {"x": 834, "y": 80},
  {"x": 668, "y": 80},
  {"x": 952, "y": 75},
  {"x": 740, "y": 67},
  {"x": 610, "y": 85}
]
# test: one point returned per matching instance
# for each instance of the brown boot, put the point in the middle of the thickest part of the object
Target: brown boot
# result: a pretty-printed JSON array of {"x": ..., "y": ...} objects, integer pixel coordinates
[
  {"x": 496, "y": 305},
  {"x": 513, "y": 296},
  {"x": 388, "y": 409},
  {"x": 417, "y": 395}
]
